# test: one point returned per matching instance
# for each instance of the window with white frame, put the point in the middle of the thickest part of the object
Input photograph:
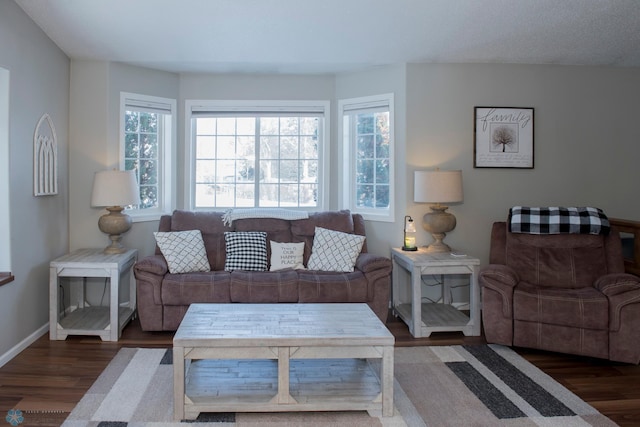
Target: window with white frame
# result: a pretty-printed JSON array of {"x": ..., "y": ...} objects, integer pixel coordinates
[
  {"x": 367, "y": 148},
  {"x": 257, "y": 154},
  {"x": 147, "y": 139}
]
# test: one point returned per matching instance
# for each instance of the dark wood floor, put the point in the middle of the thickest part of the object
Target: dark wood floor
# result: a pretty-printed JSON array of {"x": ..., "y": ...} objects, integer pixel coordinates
[{"x": 47, "y": 379}]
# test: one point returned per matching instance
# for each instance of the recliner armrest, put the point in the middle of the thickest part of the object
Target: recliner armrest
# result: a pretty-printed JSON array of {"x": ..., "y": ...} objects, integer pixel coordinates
[
  {"x": 154, "y": 264},
  {"x": 500, "y": 275},
  {"x": 617, "y": 283},
  {"x": 367, "y": 262}
]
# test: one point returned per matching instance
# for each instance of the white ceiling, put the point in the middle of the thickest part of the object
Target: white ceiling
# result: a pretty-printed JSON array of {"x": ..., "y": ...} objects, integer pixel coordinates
[{"x": 330, "y": 36}]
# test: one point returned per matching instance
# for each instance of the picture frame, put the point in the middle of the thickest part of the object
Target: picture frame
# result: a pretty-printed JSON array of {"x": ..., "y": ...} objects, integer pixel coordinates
[{"x": 503, "y": 137}]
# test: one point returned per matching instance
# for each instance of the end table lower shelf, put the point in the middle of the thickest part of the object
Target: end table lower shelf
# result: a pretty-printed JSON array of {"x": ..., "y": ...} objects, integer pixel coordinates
[
  {"x": 437, "y": 318},
  {"x": 92, "y": 321}
]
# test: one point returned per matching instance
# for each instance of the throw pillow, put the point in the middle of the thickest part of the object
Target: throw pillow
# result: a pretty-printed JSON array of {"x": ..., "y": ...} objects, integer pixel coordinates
[
  {"x": 246, "y": 250},
  {"x": 286, "y": 255},
  {"x": 183, "y": 250},
  {"x": 334, "y": 250}
]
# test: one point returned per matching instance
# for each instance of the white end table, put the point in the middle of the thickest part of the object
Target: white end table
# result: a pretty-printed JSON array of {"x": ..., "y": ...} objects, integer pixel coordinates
[
  {"x": 105, "y": 322},
  {"x": 425, "y": 318}
]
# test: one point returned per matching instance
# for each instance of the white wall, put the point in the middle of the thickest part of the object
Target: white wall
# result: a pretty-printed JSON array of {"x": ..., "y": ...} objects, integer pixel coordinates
[
  {"x": 39, "y": 83},
  {"x": 94, "y": 128},
  {"x": 586, "y": 140},
  {"x": 381, "y": 236}
]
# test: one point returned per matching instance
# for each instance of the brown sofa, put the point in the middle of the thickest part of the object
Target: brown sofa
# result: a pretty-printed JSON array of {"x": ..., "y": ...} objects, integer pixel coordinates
[
  {"x": 566, "y": 293},
  {"x": 163, "y": 298}
]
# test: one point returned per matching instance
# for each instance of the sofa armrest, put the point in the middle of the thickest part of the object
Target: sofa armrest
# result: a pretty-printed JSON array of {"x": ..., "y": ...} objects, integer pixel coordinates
[
  {"x": 368, "y": 263},
  {"x": 154, "y": 264}
]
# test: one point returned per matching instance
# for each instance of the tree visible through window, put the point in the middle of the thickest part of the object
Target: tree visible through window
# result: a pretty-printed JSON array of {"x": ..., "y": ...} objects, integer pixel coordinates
[
  {"x": 372, "y": 160},
  {"x": 146, "y": 148},
  {"x": 141, "y": 153},
  {"x": 257, "y": 159},
  {"x": 367, "y": 141}
]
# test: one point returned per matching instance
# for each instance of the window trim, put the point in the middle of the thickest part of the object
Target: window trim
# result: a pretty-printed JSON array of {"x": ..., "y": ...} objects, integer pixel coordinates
[
  {"x": 5, "y": 193},
  {"x": 347, "y": 156},
  {"x": 167, "y": 154},
  {"x": 257, "y": 107}
]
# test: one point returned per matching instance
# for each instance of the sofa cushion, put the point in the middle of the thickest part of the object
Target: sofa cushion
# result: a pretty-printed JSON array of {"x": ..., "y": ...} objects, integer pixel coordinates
[
  {"x": 188, "y": 288},
  {"x": 213, "y": 229},
  {"x": 334, "y": 250},
  {"x": 246, "y": 250},
  {"x": 286, "y": 255},
  {"x": 264, "y": 286},
  {"x": 585, "y": 308},
  {"x": 322, "y": 286},
  {"x": 303, "y": 230},
  {"x": 183, "y": 250}
]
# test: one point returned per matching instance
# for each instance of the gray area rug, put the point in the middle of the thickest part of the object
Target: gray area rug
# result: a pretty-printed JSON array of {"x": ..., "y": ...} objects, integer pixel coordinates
[{"x": 434, "y": 386}]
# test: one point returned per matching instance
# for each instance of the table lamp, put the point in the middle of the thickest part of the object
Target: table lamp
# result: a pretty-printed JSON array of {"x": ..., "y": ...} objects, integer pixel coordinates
[
  {"x": 438, "y": 187},
  {"x": 114, "y": 189}
]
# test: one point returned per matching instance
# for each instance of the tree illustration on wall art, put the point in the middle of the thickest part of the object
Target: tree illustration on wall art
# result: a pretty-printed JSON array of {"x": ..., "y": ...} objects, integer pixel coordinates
[{"x": 45, "y": 158}]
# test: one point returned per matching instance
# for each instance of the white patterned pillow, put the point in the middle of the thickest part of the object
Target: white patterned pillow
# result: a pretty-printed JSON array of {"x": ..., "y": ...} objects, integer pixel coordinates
[
  {"x": 334, "y": 250},
  {"x": 286, "y": 255},
  {"x": 246, "y": 250},
  {"x": 183, "y": 250}
]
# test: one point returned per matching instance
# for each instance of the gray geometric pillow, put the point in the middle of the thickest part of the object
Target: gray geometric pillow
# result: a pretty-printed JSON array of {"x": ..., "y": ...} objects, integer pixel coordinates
[
  {"x": 246, "y": 250},
  {"x": 334, "y": 250},
  {"x": 183, "y": 250}
]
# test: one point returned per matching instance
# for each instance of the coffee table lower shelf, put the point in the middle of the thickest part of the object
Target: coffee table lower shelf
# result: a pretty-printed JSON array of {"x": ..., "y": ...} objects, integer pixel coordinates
[{"x": 251, "y": 385}]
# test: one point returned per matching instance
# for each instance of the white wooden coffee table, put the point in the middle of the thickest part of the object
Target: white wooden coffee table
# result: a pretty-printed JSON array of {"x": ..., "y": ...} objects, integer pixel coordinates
[{"x": 281, "y": 357}]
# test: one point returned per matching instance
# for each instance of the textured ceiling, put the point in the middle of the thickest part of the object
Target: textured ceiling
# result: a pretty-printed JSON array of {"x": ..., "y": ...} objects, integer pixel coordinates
[{"x": 329, "y": 36}]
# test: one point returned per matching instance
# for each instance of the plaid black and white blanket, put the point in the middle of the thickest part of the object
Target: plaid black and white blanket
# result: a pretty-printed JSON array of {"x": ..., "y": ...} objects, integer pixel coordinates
[{"x": 557, "y": 220}]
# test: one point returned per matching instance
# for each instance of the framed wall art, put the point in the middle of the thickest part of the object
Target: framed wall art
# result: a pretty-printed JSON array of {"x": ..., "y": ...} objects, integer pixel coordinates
[{"x": 503, "y": 137}]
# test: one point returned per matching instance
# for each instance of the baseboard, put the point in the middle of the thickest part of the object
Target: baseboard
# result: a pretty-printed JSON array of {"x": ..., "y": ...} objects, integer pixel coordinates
[{"x": 13, "y": 352}]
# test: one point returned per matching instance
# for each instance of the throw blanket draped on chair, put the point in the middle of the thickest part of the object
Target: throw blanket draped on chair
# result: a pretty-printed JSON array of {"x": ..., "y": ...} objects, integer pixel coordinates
[
  {"x": 231, "y": 215},
  {"x": 557, "y": 220}
]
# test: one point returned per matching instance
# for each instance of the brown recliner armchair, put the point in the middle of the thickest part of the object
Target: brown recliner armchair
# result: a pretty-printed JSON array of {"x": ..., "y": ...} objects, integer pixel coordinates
[{"x": 563, "y": 292}]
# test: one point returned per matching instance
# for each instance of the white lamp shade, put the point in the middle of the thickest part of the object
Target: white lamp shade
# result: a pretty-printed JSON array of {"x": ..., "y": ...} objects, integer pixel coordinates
[
  {"x": 437, "y": 186},
  {"x": 115, "y": 188}
]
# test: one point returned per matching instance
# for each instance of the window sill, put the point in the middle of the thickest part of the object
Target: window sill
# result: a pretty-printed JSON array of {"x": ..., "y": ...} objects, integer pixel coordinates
[{"x": 6, "y": 278}]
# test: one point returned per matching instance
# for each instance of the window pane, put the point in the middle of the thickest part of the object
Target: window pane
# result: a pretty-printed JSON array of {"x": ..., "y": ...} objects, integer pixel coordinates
[
  {"x": 289, "y": 126},
  {"x": 141, "y": 153},
  {"x": 382, "y": 196},
  {"x": 286, "y": 159},
  {"x": 365, "y": 147},
  {"x": 364, "y": 171},
  {"x": 206, "y": 126},
  {"x": 226, "y": 126},
  {"x": 289, "y": 195},
  {"x": 289, "y": 148},
  {"x": 148, "y": 172},
  {"x": 364, "y": 196},
  {"x": 289, "y": 171},
  {"x": 206, "y": 147},
  {"x": 367, "y": 141},
  {"x": 269, "y": 147},
  {"x": 382, "y": 171}
]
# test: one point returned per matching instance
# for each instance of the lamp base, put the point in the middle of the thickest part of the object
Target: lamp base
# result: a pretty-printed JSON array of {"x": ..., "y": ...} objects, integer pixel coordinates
[
  {"x": 438, "y": 223},
  {"x": 438, "y": 246},
  {"x": 115, "y": 223},
  {"x": 410, "y": 248}
]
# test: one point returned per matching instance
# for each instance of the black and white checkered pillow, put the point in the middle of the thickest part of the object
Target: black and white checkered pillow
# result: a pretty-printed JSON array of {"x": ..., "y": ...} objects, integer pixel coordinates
[{"x": 246, "y": 250}]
